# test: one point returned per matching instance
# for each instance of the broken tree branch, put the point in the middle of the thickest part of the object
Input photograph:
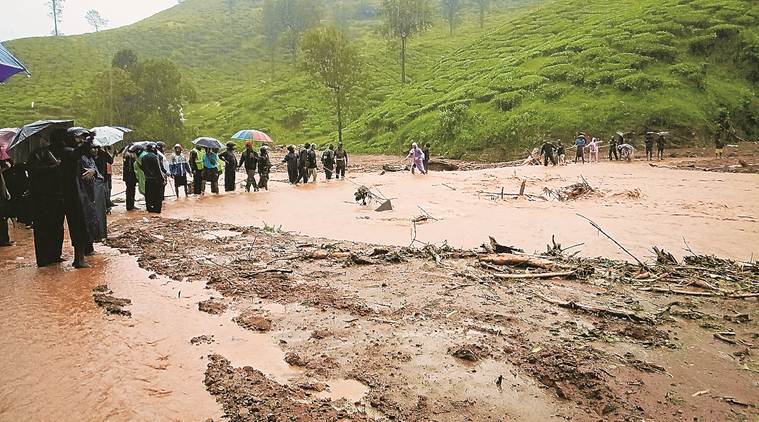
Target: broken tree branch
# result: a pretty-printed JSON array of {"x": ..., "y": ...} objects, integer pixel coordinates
[
  {"x": 619, "y": 313},
  {"x": 597, "y": 227}
]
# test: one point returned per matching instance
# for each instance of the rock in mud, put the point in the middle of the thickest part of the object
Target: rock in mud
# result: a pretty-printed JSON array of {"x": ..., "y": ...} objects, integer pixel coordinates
[
  {"x": 320, "y": 334},
  {"x": 213, "y": 306},
  {"x": 469, "y": 352},
  {"x": 204, "y": 339},
  {"x": 104, "y": 298},
  {"x": 295, "y": 359},
  {"x": 253, "y": 321}
]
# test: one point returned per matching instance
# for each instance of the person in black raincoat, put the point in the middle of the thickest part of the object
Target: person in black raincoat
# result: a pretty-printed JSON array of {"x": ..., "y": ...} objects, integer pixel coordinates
[
  {"x": 328, "y": 161},
  {"x": 230, "y": 167},
  {"x": 303, "y": 163},
  {"x": 6, "y": 210},
  {"x": 79, "y": 210},
  {"x": 154, "y": 179},
  {"x": 46, "y": 196},
  {"x": 92, "y": 188},
  {"x": 130, "y": 177},
  {"x": 291, "y": 158},
  {"x": 264, "y": 166}
]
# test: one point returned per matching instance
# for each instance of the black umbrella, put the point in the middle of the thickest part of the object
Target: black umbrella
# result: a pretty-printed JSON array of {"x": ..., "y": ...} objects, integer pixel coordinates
[
  {"x": 80, "y": 132},
  {"x": 208, "y": 143},
  {"x": 35, "y": 135}
]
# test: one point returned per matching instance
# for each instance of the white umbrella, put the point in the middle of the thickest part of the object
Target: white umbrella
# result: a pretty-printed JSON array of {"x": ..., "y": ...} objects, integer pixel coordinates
[{"x": 108, "y": 135}]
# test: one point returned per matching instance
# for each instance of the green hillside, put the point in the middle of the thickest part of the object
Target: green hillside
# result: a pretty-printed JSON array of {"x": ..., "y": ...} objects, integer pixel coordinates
[
  {"x": 220, "y": 51},
  {"x": 532, "y": 73},
  {"x": 589, "y": 65}
]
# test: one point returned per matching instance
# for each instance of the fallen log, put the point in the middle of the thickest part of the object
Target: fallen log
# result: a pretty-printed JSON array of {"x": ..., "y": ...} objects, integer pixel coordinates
[
  {"x": 322, "y": 254},
  {"x": 518, "y": 261},
  {"x": 525, "y": 276},
  {"x": 619, "y": 313}
]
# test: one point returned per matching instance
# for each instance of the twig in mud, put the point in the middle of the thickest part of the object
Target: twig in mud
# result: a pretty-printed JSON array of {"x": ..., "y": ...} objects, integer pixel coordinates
[
  {"x": 533, "y": 275},
  {"x": 449, "y": 187},
  {"x": 597, "y": 227},
  {"x": 619, "y": 313},
  {"x": 687, "y": 247},
  {"x": 720, "y": 336},
  {"x": 428, "y": 214}
]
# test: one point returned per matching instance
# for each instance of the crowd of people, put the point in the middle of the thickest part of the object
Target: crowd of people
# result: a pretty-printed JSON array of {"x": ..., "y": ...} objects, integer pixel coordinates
[{"x": 68, "y": 180}]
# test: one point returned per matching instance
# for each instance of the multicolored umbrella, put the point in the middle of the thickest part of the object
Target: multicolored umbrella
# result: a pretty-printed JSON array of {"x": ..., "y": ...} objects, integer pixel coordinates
[
  {"x": 9, "y": 65},
  {"x": 252, "y": 135}
]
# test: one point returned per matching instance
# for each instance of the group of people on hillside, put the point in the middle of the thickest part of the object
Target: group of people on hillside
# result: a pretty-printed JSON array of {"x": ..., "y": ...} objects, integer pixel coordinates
[
  {"x": 67, "y": 180},
  {"x": 302, "y": 164}
]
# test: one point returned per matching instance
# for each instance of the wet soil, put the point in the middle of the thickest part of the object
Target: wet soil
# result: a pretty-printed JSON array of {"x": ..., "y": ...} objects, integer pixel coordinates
[
  {"x": 235, "y": 318},
  {"x": 447, "y": 341}
]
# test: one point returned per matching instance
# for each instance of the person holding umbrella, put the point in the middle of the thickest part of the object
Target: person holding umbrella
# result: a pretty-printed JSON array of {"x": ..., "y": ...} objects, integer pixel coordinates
[
  {"x": 75, "y": 200},
  {"x": 5, "y": 198},
  {"x": 249, "y": 159},
  {"x": 211, "y": 169},
  {"x": 230, "y": 166}
]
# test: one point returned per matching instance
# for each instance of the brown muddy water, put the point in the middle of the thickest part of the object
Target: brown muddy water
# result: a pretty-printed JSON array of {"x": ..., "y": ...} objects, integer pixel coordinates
[
  {"x": 640, "y": 206},
  {"x": 63, "y": 359}
]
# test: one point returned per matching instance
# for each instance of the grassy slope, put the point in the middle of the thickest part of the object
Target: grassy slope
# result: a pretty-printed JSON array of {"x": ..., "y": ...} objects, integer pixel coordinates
[
  {"x": 582, "y": 65},
  {"x": 223, "y": 58}
]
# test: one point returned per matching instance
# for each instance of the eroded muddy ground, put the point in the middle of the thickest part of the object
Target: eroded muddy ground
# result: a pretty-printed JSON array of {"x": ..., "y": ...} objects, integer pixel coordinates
[
  {"x": 434, "y": 334},
  {"x": 246, "y": 305}
]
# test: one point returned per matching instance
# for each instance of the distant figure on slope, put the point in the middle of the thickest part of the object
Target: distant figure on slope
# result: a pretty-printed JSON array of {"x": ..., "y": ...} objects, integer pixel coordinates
[
  {"x": 291, "y": 158},
  {"x": 580, "y": 145},
  {"x": 547, "y": 152},
  {"x": 230, "y": 167},
  {"x": 341, "y": 161},
  {"x": 417, "y": 157}
]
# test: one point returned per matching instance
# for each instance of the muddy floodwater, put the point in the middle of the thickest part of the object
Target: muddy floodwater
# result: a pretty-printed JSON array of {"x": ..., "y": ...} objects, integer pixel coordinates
[
  {"x": 65, "y": 359},
  {"x": 638, "y": 205}
]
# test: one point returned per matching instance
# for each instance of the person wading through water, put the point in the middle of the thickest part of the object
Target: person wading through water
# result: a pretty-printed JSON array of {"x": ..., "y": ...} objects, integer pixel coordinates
[
  {"x": 291, "y": 158},
  {"x": 230, "y": 167},
  {"x": 303, "y": 163},
  {"x": 426, "y": 151},
  {"x": 312, "y": 163},
  {"x": 197, "y": 156},
  {"x": 264, "y": 166},
  {"x": 328, "y": 161},
  {"x": 341, "y": 161},
  {"x": 249, "y": 159},
  {"x": 179, "y": 168}
]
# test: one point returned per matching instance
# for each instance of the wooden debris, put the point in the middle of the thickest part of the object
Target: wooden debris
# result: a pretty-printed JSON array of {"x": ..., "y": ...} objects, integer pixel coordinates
[
  {"x": 526, "y": 276},
  {"x": 619, "y": 313},
  {"x": 518, "y": 261}
]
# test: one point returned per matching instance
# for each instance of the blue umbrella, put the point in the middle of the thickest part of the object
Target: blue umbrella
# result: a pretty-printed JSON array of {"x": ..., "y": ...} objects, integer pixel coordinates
[{"x": 9, "y": 65}]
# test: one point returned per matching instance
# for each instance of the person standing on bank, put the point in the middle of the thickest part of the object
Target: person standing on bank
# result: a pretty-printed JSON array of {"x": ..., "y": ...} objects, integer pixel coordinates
[
  {"x": 46, "y": 189},
  {"x": 154, "y": 179},
  {"x": 5, "y": 198},
  {"x": 230, "y": 167},
  {"x": 426, "y": 161},
  {"x": 130, "y": 177},
  {"x": 249, "y": 159},
  {"x": 93, "y": 191},
  {"x": 75, "y": 200}
]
